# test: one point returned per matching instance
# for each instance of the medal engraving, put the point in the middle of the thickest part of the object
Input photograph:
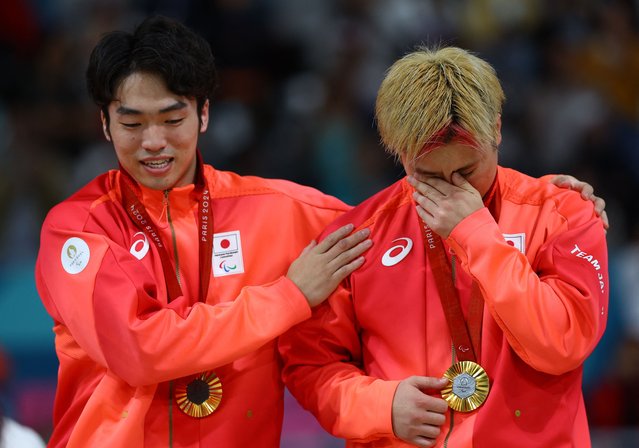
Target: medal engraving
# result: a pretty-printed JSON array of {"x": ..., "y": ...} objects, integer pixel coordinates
[
  {"x": 468, "y": 388},
  {"x": 463, "y": 385}
]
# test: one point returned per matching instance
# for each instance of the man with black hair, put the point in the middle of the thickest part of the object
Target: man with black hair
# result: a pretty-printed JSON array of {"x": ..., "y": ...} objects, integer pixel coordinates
[
  {"x": 146, "y": 270},
  {"x": 151, "y": 272}
]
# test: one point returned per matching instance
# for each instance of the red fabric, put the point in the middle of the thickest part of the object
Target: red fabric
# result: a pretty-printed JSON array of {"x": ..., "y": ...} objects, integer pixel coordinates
[
  {"x": 118, "y": 339},
  {"x": 545, "y": 310},
  {"x": 465, "y": 329}
]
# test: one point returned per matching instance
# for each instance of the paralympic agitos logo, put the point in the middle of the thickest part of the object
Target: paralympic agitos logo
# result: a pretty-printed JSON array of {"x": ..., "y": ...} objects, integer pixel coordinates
[{"x": 227, "y": 267}]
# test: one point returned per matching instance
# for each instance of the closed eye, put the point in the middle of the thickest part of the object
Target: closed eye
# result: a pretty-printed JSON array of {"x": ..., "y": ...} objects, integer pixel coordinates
[
  {"x": 175, "y": 121},
  {"x": 467, "y": 170},
  {"x": 130, "y": 125}
]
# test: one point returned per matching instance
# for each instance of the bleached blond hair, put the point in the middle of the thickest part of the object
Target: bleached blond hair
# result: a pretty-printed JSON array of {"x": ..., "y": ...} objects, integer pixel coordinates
[{"x": 428, "y": 91}]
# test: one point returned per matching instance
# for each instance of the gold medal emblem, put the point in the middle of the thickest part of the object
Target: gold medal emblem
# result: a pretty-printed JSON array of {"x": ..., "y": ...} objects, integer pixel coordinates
[
  {"x": 200, "y": 396},
  {"x": 468, "y": 387}
]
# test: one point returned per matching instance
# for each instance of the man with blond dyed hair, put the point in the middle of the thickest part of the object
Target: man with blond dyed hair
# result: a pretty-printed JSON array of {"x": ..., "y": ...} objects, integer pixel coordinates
[{"x": 484, "y": 292}]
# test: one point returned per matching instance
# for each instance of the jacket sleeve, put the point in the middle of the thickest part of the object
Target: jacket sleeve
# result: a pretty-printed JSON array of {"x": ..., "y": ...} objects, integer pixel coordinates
[
  {"x": 108, "y": 301},
  {"x": 552, "y": 308},
  {"x": 322, "y": 369}
]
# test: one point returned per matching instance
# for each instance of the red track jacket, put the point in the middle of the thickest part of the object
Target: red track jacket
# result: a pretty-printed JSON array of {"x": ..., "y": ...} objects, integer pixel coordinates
[
  {"x": 541, "y": 264},
  {"x": 119, "y": 343}
]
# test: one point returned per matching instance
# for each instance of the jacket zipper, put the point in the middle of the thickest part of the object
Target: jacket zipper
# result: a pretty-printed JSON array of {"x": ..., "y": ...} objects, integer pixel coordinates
[
  {"x": 177, "y": 274},
  {"x": 454, "y": 357},
  {"x": 173, "y": 237}
]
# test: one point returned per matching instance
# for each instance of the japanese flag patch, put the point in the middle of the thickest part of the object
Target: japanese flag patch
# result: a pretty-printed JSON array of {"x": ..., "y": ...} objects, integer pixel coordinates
[
  {"x": 227, "y": 254},
  {"x": 517, "y": 240}
]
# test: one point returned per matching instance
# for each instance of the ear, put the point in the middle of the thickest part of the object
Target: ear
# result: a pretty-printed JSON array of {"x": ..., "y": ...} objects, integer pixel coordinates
[
  {"x": 498, "y": 131},
  {"x": 204, "y": 116},
  {"x": 409, "y": 168},
  {"x": 105, "y": 126}
]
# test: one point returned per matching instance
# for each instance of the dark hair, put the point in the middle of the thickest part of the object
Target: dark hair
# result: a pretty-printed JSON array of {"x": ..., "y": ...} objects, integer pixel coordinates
[{"x": 159, "y": 46}]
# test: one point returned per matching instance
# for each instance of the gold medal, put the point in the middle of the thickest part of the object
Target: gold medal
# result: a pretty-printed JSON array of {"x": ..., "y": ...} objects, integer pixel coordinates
[
  {"x": 468, "y": 387},
  {"x": 200, "y": 396}
]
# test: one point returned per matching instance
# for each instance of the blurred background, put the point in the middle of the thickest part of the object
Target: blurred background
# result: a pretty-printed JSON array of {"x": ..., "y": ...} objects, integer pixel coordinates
[{"x": 298, "y": 80}]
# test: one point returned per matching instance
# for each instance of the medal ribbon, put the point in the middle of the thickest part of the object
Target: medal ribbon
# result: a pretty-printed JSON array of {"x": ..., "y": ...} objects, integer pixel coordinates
[
  {"x": 466, "y": 335},
  {"x": 141, "y": 218}
]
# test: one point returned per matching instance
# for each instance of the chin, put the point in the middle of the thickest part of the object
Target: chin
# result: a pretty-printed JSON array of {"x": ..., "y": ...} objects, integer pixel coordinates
[{"x": 157, "y": 184}]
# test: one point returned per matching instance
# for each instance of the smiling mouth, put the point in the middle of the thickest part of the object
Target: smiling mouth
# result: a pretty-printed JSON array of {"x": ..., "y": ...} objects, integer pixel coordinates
[{"x": 157, "y": 164}]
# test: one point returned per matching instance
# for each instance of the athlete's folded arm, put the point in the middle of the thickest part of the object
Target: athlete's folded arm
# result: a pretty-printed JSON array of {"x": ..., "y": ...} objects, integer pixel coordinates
[
  {"x": 553, "y": 311},
  {"x": 322, "y": 369},
  {"x": 112, "y": 310}
]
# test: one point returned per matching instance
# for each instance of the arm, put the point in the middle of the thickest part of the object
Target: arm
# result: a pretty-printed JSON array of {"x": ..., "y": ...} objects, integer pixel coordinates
[
  {"x": 111, "y": 309},
  {"x": 322, "y": 369},
  {"x": 552, "y": 311}
]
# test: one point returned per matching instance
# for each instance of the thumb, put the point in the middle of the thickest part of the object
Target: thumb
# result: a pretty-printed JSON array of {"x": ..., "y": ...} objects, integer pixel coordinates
[{"x": 429, "y": 383}]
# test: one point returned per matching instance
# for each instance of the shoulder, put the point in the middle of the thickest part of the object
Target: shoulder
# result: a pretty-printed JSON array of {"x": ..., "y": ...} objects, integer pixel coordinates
[
  {"x": 227, "y": 184},
  {"x": 73, "y": 212},
  {"x": 521, "y": 189},
  {"x": 376, "y": 208}
]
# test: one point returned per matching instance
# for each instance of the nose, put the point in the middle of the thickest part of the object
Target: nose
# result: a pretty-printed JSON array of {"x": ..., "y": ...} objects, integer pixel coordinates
[{"x": 153, "y": 138}]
